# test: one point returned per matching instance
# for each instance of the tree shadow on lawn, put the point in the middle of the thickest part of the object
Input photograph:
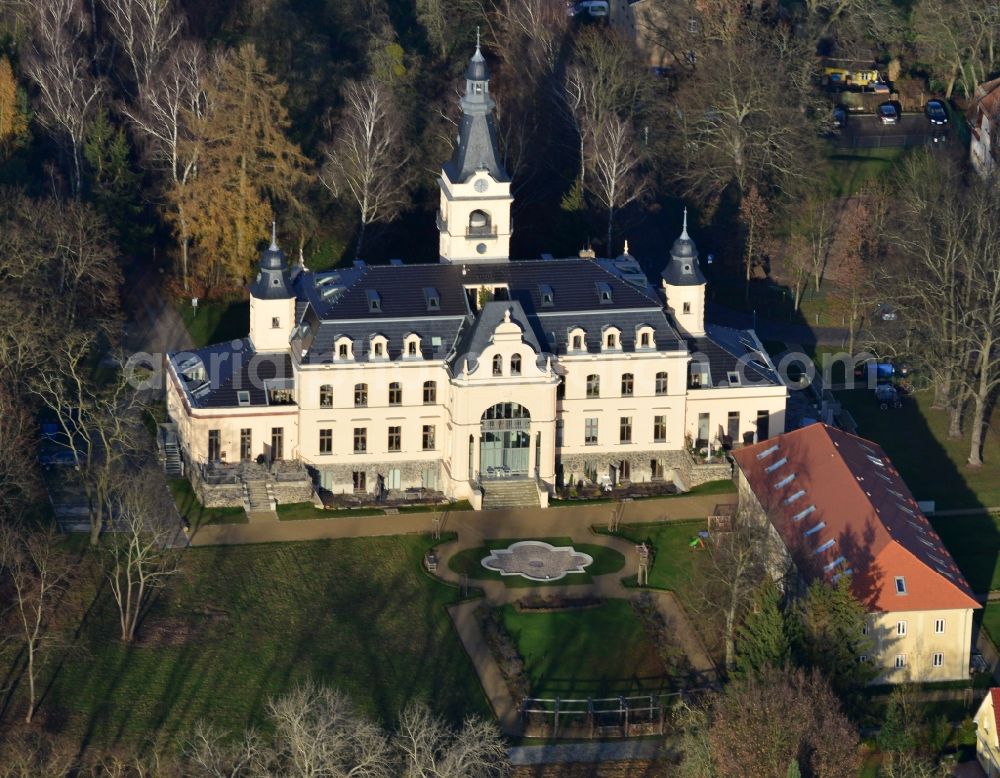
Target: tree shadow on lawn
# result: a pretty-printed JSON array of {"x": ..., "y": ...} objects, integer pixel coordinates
[{"x": 932, "y": 473}]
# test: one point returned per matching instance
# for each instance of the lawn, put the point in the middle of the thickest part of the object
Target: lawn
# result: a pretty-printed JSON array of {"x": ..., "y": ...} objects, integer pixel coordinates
[
  {"x": 991, "y": 621},
  {"x": 723, "y": 486},
  {"x": 599, "y": 652},
  {"x": 241, "y": 623},
  {"x": 215, "y": 322},
  {"x": 673, "y": 556},
  {"x": 298, "y": 511},
  {"x": 847, "y": 171},
  {"x": 468, "y": 562},
  {"x": 190, "y": 507},
  {"x": 932, "y": 465}
]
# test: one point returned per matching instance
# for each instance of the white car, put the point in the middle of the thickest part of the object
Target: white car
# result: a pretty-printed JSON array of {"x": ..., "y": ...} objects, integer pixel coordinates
[{"x": 596, "y": 8}]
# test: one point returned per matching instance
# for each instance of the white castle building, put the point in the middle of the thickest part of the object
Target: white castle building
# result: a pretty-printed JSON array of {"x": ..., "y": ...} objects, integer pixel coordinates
[{"x": 477, "y": 370}]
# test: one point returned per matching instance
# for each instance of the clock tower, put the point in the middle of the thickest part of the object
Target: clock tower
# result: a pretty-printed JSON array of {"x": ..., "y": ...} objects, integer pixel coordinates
[{"x": 474, "y": 218}]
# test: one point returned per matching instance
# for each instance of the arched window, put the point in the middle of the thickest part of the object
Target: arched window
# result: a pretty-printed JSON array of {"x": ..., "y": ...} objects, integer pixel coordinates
[
  {"x": 430, "y": 392},
  {"x": 593, "y": 385},
  {"x": 395, "y": 393},
  {"x": 644, "y": 340},
  {"x": 361, "y": 395},
  {"x": 628, "y": 384},
  {"x": 515, "y": 364},
  {"x": 342, "y": 351},
  {"x": 498, "y": 365},
  {"x": 411, "y": 348},
  {"x": 326, "y": 396},
  {"x": 661, "y": 383},
  {"x": 378, "y": 349},
  {"x": 577, "y": 342},
  {"x": 612, "y": 340}
]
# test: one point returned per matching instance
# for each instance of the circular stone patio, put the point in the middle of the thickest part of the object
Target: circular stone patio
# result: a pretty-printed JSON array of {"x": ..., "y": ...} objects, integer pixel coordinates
[{"x": 537, "y": 560}]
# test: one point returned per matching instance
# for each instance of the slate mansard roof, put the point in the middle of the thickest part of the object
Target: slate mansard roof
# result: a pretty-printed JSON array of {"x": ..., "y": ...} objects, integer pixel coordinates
[
  {"x": 547, "y": 298},
  {"x": 214, "y": 376}
]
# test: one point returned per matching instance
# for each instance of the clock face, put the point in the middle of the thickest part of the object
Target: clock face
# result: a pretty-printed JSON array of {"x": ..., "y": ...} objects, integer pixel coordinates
[{"x": 481, "y": 185}]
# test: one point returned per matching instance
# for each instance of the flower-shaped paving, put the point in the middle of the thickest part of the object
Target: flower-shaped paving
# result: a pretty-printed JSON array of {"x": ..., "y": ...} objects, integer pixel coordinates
[{"x": 537, "y": 560}]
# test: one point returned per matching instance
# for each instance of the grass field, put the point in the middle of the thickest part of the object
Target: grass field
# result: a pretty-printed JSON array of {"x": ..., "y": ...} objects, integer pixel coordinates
[
  {"x": 991, "y": 620},
  {"x": 846, "y": 172},
  {"x": 197, "y": 515},
  {"x": 241, "y": 623},
  {"x": 215, "y": 322},
  {"x": 468, "y": 562},
  {"x": 933, "y": 466},
  {"x": 672, "y": 555},
  {"x": 601, "y": 651},
  {"x": 298, "y": 511}
]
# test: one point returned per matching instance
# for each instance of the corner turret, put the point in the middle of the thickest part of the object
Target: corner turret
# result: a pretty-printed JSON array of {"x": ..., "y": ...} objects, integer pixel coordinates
[
  {"x": 272, "y": 301},
  {"x": 684, "y": 285}
]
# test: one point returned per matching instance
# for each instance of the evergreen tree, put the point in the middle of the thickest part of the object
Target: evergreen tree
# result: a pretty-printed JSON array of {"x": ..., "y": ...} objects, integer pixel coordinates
[
  {"x": 763, "y": 639},
  {"x": 113, "y": 183},
  {"x": 830, "y": 636}
]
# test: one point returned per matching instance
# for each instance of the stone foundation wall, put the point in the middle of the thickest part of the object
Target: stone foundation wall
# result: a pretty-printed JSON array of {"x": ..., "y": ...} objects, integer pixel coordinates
[
  {"x": 292, "y": 491},
  {"x": 678, "y": 466},
  {"x": 574, "y": 466},
  {"x": 700, "y": 474},
  {"x": 410, "y": 474}
]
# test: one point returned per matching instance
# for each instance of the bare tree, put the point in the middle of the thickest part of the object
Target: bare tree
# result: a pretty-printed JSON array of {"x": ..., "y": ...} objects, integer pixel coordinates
[
  {"x": 170, "y": 118},
  {"x": 211, "y": 753},
  {"x": 38, "y": 573},
  {"x": 59, "y": 65},
  {"x": 733, "y": 128},
  {"x": 756, "y": 218},
  {"x": 983, "y": 379},
  {"x": 618, "y": 173},
  {"x": 140, "y": 550},
  {"x": 368, "y": 162},
  {"x": 738, "y": 559},
  {"x": 318, "y": 733},
  {"x": 960, "y": 40},
  {"x": 431, "y": 749},
  {"x": 100, "y": 423},
  {"x": 145, "y": 31}
]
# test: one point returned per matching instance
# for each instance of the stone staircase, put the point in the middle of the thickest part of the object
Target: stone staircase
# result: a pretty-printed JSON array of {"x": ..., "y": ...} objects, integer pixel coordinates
[
  {"x": 170, "y": 451},
  {"x": 510, "y": 493},
  {"x": 257, "y": 497}
]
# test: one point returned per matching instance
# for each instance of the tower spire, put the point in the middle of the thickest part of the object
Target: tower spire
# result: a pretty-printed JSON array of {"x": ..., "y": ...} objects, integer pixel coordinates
[
  {"x": 684, "y": 232},
  {"x": 477, "y": 40},
  {"x": 274, "y": 235}
]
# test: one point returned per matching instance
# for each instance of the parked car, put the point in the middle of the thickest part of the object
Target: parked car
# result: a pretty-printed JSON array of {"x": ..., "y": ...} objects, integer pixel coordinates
[
  {"x": 595, "y": 8},
  {"x": 885, "y": 312},
  {"x": 839, "y": 117},
  {"x": 936, "y": 113},
  {"x": 888, "y": 113},
  {"x": 887, "y": 397}
]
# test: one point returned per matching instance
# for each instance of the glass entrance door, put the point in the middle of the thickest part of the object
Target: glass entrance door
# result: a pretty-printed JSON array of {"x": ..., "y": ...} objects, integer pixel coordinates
[{"x": 505, "y": 447}]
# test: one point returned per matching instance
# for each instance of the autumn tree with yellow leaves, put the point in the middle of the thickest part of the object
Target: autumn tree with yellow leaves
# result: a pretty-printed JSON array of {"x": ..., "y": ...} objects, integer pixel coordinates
[
  {"x": 13, "y": 117},
  {"x": 247, "y": 168}
]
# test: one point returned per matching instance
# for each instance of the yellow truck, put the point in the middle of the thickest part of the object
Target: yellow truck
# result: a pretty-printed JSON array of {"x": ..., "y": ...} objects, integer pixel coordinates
[{"x": 865, "y": 78}]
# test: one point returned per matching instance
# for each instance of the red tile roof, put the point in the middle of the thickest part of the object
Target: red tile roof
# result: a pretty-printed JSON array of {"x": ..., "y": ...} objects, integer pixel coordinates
[
  {"x": 841, "y": 507},
  {"x": 986, "y": 100},
  {"x": 995, "y": 698}
]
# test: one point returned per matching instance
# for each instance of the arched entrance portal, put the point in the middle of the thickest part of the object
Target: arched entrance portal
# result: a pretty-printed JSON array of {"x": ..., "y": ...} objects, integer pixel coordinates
[{"x": 505, "y": 445}]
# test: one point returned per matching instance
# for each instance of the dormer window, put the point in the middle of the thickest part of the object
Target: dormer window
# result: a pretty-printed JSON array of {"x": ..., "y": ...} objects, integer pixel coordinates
[
  {"x": 345, "y": 348},
  {"x": 411, "y": 346},
  {"x": 644, "y": 337},
  {"x": 379, "y": 347},
  {"x": 604, "y": 293},
  {"x": 546, "y": 295},
  {"x": 432, "y": 298},
  {"x": 577, "y": 340},
  {"x": 644, "y": 340},
  {"x": 374, "y": 301},
  {"x": 699, "y": 375},
  {"x": 612, "y": 339}
]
